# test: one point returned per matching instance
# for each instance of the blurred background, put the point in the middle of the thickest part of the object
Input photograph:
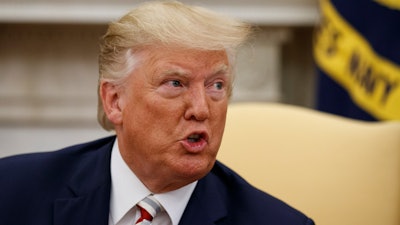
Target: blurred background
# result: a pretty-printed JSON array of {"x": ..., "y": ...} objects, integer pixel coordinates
[{"x": 48, "y": 63}]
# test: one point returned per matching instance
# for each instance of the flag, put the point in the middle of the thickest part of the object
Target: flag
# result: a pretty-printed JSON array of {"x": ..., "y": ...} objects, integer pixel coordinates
[{"x": 357, "y": 55}]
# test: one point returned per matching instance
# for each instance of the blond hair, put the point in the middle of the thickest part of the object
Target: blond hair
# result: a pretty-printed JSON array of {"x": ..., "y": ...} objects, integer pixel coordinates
[{"x": 168, "y": 23}]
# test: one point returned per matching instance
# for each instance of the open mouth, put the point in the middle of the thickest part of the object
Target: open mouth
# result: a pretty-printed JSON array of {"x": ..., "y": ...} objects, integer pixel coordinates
[
  {"x": 195, "y": 142},
  {"x": 193, "y": 138}
]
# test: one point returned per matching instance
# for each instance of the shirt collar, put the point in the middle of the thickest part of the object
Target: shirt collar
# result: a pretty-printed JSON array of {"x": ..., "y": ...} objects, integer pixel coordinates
[
  {"x": 122, "y": 198},
  {"x": 174, "y": 202}
]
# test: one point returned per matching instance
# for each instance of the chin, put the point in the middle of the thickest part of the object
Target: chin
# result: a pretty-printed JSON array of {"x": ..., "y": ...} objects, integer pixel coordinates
[{"x": 196, "y": 170}]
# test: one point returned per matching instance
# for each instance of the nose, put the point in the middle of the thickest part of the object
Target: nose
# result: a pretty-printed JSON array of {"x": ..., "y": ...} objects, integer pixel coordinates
[{"x": 197, "y": 105}]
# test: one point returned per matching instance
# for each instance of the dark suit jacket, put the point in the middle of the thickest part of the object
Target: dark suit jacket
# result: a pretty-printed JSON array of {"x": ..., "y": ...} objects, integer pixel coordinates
[{"x": 72, "y": 187}]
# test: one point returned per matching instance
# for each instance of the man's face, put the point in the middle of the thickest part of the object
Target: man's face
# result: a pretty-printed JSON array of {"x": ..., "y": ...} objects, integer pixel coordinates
[{"x": 173, "y": 115}]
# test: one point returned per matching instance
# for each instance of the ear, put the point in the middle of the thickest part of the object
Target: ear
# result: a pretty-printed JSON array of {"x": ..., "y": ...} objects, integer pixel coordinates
[{"x": 111, "y": 99}]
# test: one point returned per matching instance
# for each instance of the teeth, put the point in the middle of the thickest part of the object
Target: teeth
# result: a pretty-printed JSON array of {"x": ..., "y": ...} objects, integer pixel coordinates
[{"x": 194, "y": 137}]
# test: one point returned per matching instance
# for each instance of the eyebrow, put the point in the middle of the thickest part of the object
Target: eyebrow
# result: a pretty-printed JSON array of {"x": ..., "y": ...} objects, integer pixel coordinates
[
  {"x": 178, "y": 71},
  {"x": 221, "y": 68},
  {"x": 175, "y": 71}
]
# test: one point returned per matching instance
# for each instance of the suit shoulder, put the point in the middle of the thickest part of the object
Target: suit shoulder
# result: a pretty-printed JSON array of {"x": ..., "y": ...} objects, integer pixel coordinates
[
  {"x": 31, "y": 183},
  {"x": 73, "y": 149},
  {"x": 245, "y": 198},
  {"x": 39, "y": 163}
]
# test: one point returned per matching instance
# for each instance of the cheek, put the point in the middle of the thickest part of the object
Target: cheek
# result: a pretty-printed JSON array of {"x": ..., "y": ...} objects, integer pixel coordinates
[
  {"x": 137, "y": 116},
  {"x": 154, "y": 117},
  {"x": 218, "y": 125},
  {"x": 219, "y": 111}
]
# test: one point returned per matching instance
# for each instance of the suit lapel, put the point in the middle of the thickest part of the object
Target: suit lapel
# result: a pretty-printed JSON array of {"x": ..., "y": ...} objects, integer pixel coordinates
[
  {"x": 89, "y": 188},
  {"x": 207, "y": 204},
  {"x": 90, "y": 209}
]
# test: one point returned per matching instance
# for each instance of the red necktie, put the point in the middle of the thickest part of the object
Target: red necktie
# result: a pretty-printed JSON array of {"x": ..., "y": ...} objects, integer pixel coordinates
[
  {"x": 144, "y": 215},
  {"x": 148, "y": 207}
]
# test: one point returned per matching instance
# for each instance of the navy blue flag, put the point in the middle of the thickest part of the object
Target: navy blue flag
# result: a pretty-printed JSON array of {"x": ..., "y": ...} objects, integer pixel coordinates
[{"x": 357, "y": 54}]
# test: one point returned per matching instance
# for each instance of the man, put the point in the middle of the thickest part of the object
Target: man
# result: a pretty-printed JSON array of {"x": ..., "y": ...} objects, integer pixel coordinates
[{"x": 165, "y": 82}]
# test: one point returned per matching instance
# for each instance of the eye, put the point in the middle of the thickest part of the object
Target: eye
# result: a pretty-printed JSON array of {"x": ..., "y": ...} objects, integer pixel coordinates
[
  {"x": 171, "y": 88},
  {"x": 217, "y": 89},
  {"x": 219, "y": 85},
  {"x": 175, "y": 83}
]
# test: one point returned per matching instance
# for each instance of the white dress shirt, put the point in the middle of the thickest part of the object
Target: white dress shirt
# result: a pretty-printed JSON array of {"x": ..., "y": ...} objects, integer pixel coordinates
[{"x": 127, "y": 190}]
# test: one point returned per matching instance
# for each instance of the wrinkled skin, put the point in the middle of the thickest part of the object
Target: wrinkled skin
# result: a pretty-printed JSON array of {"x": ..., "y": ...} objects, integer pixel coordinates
[{"x": 170, "y": 114}]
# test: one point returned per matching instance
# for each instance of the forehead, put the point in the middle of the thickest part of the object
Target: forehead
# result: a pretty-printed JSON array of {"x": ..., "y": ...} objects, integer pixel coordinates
[{"x": 183, "y": 60}]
